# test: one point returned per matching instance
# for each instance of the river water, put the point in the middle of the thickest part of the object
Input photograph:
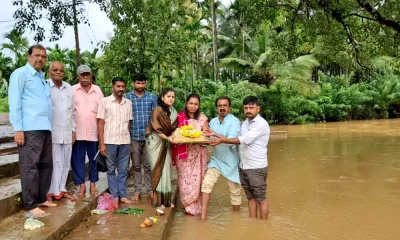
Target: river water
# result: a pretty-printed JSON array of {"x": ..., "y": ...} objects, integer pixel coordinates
[{"x": 326, "y": 181}]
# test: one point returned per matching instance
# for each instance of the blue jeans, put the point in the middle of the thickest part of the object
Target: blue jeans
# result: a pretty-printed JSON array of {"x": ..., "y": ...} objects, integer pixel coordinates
[
  {"x": 117, "y": 159},
  {"x": 79, "y": 150}
]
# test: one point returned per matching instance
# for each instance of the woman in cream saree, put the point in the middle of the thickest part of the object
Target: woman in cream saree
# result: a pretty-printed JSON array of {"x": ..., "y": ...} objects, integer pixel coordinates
[{"x": 163, "y": 121}]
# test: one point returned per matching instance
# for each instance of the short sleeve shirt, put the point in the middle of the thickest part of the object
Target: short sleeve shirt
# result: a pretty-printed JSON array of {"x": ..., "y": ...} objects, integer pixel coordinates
[
  {"x": 226, "y": 156},
  {"x": 116, "y": 118}
]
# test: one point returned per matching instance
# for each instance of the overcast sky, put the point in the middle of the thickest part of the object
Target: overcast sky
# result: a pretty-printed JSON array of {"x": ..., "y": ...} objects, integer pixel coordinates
[{"x": 100, "y": 28}]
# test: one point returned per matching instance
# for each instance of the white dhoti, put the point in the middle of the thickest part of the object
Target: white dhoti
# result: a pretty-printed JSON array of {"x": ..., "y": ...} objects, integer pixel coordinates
[{"x": 61, "y": 164}]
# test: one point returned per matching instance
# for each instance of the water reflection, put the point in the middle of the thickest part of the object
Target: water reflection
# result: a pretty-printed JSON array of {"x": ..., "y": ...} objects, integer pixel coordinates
[{"x": 325, "y": 181}]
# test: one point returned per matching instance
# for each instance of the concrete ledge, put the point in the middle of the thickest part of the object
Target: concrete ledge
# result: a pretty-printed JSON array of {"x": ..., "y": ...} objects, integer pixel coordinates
[
  {"x": 62, "y": 219},
  {"x": 9, "y": 166},
  {"x": 112, "y": 226},
  {"x": 6, "y": 132},
  {"x": 10, "y": 189},
  {"x": 6, "y": 139},
  {"x": 10, "y": 192},
  {"x": 170, "y": 215},
  {"x": 8, "y": 148}
]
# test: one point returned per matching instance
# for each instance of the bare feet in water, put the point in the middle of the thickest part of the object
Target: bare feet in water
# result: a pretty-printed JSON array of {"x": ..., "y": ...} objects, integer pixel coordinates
[
  {"x": 125, "y": 200},
  {"x": 47, "y": 204},
  {"x": 49, "y": 199},
  {"x": 37, "y": 212}
]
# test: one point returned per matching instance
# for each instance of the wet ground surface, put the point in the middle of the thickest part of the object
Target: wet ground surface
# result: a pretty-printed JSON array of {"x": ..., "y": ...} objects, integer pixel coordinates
[
  {"x": 9, "y": 187},
  {"x": 59, "y": 220},
  {"x": 112, "y": 226},
  {"x": 325, "y": 181}
]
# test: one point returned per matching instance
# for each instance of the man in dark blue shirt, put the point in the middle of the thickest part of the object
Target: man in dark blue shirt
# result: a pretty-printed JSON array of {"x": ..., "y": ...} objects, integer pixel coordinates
[{"x": 143, "y": 103}]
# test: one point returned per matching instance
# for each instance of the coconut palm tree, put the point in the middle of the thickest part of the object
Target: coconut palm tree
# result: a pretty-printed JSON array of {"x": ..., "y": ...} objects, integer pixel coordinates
[
  {"x": 18, "y": 45},
  {"x": 90, "y": 59},
  {"x": 259, "y": 64},
  {"x": 6, "y": 66},
  {"x": 3, "y": 86},
  {"x": 57, "y": 54},
  {"x": 72, "y": 64}
]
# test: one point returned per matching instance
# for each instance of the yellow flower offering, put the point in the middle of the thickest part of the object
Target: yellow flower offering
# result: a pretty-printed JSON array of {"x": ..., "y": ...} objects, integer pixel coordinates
[
  {"x": 187, "y": 127},
  {"x": 189, "y": 131}
]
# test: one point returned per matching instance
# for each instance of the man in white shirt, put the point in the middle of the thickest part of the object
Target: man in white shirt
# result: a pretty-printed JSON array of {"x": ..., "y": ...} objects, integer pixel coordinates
[
  {"x": 63, "y": 130},
  {"x": 253, "y": 167}
]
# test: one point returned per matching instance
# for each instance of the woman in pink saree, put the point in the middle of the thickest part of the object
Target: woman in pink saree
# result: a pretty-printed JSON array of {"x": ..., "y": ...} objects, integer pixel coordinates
[{"x": 191, "y": 159}]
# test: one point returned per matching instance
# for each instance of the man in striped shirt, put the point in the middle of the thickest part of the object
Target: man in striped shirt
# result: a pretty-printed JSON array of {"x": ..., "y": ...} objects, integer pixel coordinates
[
  {"x": 143, "y": 103},
  {"x": 114, "y": 115}
]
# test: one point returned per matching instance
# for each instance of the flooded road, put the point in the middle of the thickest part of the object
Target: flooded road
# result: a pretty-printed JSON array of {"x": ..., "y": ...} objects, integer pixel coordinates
[{"x": 325, "y": 181}]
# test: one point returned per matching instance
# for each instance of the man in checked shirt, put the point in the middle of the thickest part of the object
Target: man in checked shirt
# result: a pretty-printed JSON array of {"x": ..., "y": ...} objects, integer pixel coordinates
[{"x": 143, "y": 103}]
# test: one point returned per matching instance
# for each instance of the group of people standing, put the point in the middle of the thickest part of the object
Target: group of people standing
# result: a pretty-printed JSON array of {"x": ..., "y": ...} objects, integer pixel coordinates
[
  {"x": 55, "y": 128},
  {"x": 58, "y": 126},
  {"x": 240, "y": 155}
]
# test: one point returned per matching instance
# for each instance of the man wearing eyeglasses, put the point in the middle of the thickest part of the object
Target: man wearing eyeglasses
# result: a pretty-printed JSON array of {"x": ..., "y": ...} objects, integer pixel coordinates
[
  {"x": 30, "y": 115},
  {"x": 63, "y": 131}
]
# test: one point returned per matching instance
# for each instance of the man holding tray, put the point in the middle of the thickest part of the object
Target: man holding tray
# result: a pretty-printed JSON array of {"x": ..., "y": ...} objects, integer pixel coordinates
[
  {"x": 253, "y": 140},
  {"x": 225, "y": 159}
]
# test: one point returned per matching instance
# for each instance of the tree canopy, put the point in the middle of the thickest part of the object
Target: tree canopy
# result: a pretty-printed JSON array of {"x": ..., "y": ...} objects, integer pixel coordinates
[{"x": 308, "y": 60}]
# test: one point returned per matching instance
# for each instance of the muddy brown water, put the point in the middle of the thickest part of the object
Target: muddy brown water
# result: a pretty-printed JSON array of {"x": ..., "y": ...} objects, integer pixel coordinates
[{"x": 326, "y": 181}]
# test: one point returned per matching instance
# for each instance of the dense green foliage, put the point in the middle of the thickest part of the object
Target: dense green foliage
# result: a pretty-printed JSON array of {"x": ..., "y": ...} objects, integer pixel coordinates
[
  {"x": 4, "y": 105},
  {"x": 308, "y": 60},
  {"x": 338, "y": 100}
]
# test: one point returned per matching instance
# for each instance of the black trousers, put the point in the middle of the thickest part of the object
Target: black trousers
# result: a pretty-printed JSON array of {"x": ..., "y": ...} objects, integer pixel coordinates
[{"x": 36, "y": 167}]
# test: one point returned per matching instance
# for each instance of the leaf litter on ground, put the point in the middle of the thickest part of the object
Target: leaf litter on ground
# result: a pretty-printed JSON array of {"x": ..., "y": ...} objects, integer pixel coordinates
[{"x": 128, "y": 210}]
